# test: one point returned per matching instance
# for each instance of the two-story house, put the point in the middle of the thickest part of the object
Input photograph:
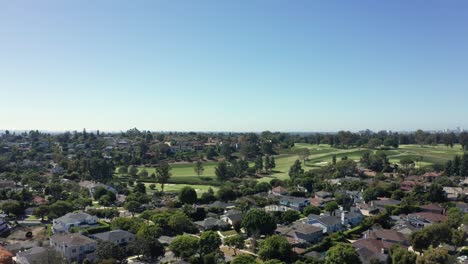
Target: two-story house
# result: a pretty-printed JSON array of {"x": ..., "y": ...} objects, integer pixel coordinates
[
  {"x": 118, "y": 237},
  {"x": 77, "y": 219},
  {"x": 328, "y": 223},
  {"x": 74, "y": 247},
  {"x": 301, "y": 234},
  {"x": 296, "y": 203}
]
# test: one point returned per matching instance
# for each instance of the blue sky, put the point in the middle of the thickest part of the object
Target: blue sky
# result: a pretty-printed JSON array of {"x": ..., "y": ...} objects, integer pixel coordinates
[{"x": 233, "y": 65}]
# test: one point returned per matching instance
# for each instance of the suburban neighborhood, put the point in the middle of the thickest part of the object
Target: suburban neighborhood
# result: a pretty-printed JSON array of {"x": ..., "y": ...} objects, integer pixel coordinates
[{"x": 91, "y": 197}]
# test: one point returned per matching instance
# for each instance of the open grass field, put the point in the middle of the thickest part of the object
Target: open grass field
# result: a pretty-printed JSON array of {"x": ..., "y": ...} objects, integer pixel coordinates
[
  {"x": 320, "y": 155},
  {"x": 171, "y": 187}
]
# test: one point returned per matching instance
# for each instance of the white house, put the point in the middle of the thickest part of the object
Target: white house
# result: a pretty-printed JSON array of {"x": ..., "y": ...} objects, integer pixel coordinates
[
  {"x": 79, "y": 219},
  {"x": 74, "y": 247}
]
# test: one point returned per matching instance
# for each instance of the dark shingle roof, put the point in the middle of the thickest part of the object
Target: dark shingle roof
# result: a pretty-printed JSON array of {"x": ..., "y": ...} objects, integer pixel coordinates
[{"x": 113, "y": 235}]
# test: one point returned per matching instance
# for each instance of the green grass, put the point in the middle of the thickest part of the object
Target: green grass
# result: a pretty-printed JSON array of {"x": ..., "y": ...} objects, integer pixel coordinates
[
  {"x": 171, "y": 187},
  {"x": 320, "y": 155}
]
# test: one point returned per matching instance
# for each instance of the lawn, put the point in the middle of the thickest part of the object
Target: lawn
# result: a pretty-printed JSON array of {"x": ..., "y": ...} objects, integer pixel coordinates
[
  {"x": 171, "y": 187},
  {"x": 320, "y": 155}
]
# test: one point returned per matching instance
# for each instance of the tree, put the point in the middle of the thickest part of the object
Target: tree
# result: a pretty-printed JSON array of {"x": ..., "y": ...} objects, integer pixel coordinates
[
  {"x": 12, "y": 207},
  {"x": 275, "y": 247},
  {"x": 226, "y": 194},
  {"x": 290, "y": 216},
  {"x": 331, "y": 206},
  {"x": 163, "y": 173},
  {"x": 140, "y": 187},
  {"x": 259, "y": 164},
  {"x": 436, "y": 194},
  {"x": 123, "y": 169},
  {"x": 434, "y": 256},
  {"x": 463, "y": 139},
  {"x": 464, "y": 165},
  {"x": 59, "y": 208},
  {"x": 402, "y": 256},
  {"x": 41, "y": 211},
  {"x": 262, "y": 187},
  {"x": 179, "y": 222},
  {"x": 272, "y": 163},
  {"x": 267, "y": 164},
  {"x": 209, "y": 242},
  {"x": 407, "y": 164},
  {"x": 199, "y": 168},
  {"x": 222, "y": 171},
  {"x": 458, "y": 238},
  {"x": 187, "y": 195},
  {"x": 454, "y": 217},
  {"x": 244, "y": 259},
  {"x": 147, "y": 240},
  {"x": 235, "y": 242},
  {"x": 311, "y": 210},
  {"x": 133, "y": 207},
  {"x": 296, "y": 170},
  {"x": 184, "y": 246},
  {"x": 342, "y": 253},
  {"x": 374, "y": 143},
  {"x": 149, "y": 247},
  {"x": 107, "y": 250},
  {"x": 304, "y": 154},
  {"x": 257, "y": 222}
]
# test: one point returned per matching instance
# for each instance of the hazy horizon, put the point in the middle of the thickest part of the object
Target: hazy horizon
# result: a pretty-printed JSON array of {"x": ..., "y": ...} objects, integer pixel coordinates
[{"x": 233, "y": 66}]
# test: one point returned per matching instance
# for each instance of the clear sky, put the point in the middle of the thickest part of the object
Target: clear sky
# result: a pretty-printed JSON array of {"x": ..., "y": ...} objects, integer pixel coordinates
[{"x": 241, "y": 65}]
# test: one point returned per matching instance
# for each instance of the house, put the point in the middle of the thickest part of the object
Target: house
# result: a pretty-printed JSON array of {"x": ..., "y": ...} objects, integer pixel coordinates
[
  {"x": 6, "y": 184},
  {"x": 462, "y": 206},
  {"x": 276, "y": 208},
  {"x": 382, "y": 203},
  {"x": 431, "y": 176},
  {"x": 323, "y": 195},
  {"x": 370, "y": 250},
  {"x": 74, "y": 247},
  {"x": 328, "y": 223},
  {"x": 219, "y": 204},
  {"x": 232, "y": 217},
  {"x": 31, "y": 256},
  {"x": 118, "y": 237},
  {"x": 4, "y": 227},
  {"x": 300, "y": 233},
  {"x": 211, "y": 223},
  {"x": 93, "y": 186},
  {"x": 423, "y": 219},
  {"x": 352, "y": 217},
  {"x": 366, "y": 209},
  {"x": 408, "y": 185},
  {"x": 78, "y": 219},
  {"x": 404, "y": 227},
  {"x": 376, "y": 244},
  {"x": 6, "y": 257},
  {"x": 454, "y": 192},
  {"x": 296, "y": 203},
  {"x": 29, "y": 211},
  {"x": 389, "y": 236},
  {"x": 279, "y": 191},
  {"x": 433, "y": 208},
  {"x": 39, "y": 200},
  {"x": 321, "y": 198}
]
